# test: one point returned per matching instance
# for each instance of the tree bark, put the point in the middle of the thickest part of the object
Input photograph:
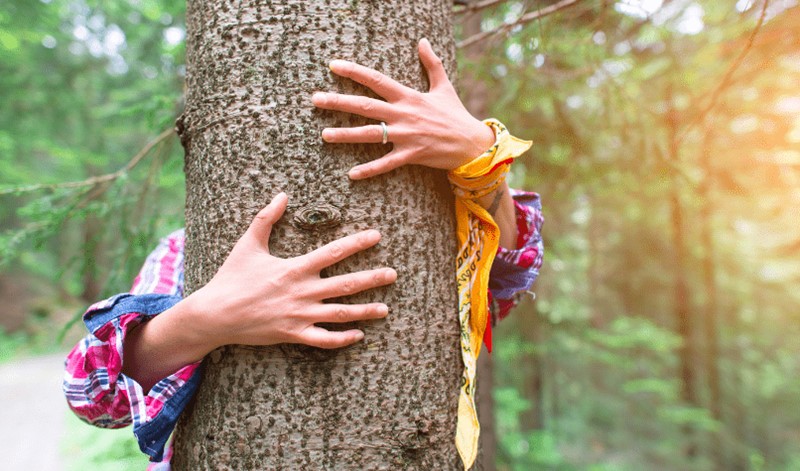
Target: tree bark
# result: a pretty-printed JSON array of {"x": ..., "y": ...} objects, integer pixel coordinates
[{"x": 250, "y": 131}]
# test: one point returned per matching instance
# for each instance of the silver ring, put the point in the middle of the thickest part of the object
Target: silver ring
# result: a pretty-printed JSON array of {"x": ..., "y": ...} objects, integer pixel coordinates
[{"x": 385, "y": 133}]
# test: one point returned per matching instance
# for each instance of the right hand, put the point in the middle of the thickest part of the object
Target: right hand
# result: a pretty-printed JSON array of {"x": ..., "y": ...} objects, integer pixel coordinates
[{"x": 258, "y": 299}]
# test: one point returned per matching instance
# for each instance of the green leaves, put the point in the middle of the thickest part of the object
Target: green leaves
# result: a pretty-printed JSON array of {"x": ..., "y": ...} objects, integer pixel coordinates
[{"x": 650, "y": 132}]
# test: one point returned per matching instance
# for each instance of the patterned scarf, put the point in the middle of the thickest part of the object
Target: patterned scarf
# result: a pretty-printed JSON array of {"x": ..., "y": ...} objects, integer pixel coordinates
[{"x": 478, "y": 239}]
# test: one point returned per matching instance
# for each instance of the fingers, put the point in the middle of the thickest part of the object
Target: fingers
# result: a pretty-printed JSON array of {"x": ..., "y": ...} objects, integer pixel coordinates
[
  {"x": 322, "y": 338},
  {"x": 351, "y": 283},
  {"x": 261, "y": 226},
  {"x": 340, "y": 249},
  {"x": 361, "y": 135},
  {"x": 372, "y": 79},
  {"x": 360, "y": 105},
  {"x": 387, "y": 163},
  {"x": 437, "y": 76},
  {"x": 349, "y": 312}
]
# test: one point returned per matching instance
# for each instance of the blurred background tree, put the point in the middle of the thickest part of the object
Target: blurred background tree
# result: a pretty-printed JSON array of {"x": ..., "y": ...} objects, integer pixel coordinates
[{"x": 663, "y": 334}]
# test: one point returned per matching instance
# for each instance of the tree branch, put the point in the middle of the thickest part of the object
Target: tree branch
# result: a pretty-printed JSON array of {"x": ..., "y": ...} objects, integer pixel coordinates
[
  {"x": 527, "y": 18},
  {"x": 477, "y": 6},
  {"x": 726, "y": 79},
  {"x": 97, "y": 179}
]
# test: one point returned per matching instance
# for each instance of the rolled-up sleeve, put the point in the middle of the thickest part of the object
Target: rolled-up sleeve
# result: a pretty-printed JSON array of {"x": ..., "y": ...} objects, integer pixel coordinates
[
  {"x": 514, "y": 271},
  {"x": 94, "y": 385}
]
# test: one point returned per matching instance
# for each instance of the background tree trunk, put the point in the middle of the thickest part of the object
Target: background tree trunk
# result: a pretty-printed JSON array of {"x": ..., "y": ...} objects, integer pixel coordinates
[
  {"x": 250, "y": 131},
  {"x": 682, "y": 309},
  {"x": 711, "y": 323}
]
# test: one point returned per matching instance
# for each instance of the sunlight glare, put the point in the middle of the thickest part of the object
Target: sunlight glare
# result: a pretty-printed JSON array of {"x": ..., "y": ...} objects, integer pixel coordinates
[
  {"x": 638, "y": 8},
  {"x": 691, "y": 22},
  {"x": 174, "y": 35}
]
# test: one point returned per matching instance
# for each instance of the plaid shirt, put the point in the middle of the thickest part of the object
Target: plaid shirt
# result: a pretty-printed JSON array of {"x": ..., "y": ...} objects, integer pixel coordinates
[{"x": 98, "y": 392}]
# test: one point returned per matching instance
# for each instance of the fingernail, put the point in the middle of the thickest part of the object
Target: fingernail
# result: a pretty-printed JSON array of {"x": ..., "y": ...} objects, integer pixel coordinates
[
  {"x": 336, "y": 64},
  {"x": 383, "y": 310},
  {"x": 317, "y": 97},
  {"x": 354, "y": 173},
  {"x": 326, "y": 134},
  {"x": 390, "y": 275},
  {"x": 359, "y": 336}
]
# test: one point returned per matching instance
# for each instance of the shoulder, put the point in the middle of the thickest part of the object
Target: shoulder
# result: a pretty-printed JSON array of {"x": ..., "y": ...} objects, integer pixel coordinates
[{"x": 176, "y": 238}]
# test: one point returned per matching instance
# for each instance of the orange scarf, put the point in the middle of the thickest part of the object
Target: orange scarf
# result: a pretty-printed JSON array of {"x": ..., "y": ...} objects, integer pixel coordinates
[{"x": 478, "y": 239}]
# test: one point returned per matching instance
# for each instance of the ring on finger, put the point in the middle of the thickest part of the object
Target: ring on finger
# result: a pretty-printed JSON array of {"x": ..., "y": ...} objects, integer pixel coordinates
[{"x": 385, "y": 129}]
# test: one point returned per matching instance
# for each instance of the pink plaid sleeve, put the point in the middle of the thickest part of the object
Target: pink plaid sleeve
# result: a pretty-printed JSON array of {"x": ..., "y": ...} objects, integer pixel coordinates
[
  {"x": 162, "y": 272},
  {"x": 94, "y": 386},
  {"x": 514, "y": 271}
]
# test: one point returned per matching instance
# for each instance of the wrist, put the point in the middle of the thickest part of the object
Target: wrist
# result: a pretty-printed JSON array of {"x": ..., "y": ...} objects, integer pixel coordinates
[
  {"x": 160, "y": 346},
  {"x": 480, "y": 172},
  {"x": 483, "y": 138},
  {"x": 200, "y": 329}
]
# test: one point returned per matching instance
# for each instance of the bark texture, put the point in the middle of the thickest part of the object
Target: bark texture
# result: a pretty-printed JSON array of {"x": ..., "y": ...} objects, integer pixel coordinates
[{"x": 250, "y": 131}]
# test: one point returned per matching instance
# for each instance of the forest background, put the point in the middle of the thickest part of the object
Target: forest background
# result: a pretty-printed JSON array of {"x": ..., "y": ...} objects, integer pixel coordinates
[{"x": 664, "y": 330}]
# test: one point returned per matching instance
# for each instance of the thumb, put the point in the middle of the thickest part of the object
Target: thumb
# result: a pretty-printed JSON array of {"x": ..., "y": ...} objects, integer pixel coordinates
[
  {"x": 261, "y": 227},
  {"x": 437, "y": 76}
]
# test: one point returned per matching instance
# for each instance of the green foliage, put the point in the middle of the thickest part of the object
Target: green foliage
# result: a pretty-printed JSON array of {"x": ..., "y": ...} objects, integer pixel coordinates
[
  {"x": 101, "y": 449},
  {"x": 11, "y": 344},
  {"x": 89, "y": 85},
  {"x": 652, "y": 133}
]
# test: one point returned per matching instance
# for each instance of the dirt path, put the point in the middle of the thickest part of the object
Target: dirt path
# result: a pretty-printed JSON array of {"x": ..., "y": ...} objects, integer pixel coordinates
[{"x": 32, "y": 413}]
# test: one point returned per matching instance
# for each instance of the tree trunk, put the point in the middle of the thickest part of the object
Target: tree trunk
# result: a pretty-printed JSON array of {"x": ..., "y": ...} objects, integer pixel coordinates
[
  {"x": 250, "y": 131},
  {"x": 682, "y": 309},
  {"x": 711, "y": 317}
]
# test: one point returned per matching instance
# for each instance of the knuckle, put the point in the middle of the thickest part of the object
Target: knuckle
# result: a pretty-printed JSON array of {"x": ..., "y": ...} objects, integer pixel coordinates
[
  {"x": 348, "y": 285},
  {"x": 362, "y": 238},
  {"x": 341, "y": 314},
  {"x": 417, "y": 101},
  {"x": 335, "y": 250},
  {"x": 295, "y": 270},
  {"x": 376, "y": 78},
  {"x": 332, "y": 100},
  {"x": 366, "y": 105}
]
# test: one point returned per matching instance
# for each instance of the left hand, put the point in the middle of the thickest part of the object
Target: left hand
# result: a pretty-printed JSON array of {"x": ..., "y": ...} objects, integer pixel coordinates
[{"x": 433, "y": 129}]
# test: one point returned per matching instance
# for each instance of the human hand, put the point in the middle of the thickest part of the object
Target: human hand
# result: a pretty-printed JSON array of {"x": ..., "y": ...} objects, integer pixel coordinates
[
  {"x": 258, "y": 299},
  {"x": 433, "y": 129}
]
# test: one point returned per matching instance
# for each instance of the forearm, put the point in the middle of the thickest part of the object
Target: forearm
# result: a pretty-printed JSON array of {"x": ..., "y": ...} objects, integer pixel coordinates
[
  {"x": 500, "y": 205},
  {"x": 157, "y": 348}
]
